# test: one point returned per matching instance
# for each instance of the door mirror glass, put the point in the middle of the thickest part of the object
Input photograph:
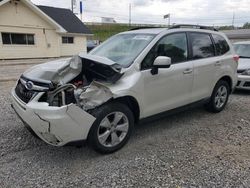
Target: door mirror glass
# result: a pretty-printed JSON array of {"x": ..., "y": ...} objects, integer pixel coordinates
[{"x": 162, "y": 62}]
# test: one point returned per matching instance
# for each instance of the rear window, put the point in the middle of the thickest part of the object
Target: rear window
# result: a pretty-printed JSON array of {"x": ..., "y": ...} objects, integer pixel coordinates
[
  {"x": 243, "y": 50},
  {"x": 221, "y": 44},
  {"x": 202, "y": 45}
]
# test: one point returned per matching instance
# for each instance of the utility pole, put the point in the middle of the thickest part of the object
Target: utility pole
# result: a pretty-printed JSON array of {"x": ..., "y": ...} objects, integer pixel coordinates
[
  {"x": 233, "y": 20},
  {"x": 72, "y": 6},
  {"x": 129, "y": 14}
]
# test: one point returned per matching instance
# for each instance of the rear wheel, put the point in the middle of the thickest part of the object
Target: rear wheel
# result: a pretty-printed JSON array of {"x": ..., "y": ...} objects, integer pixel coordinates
[
  {"x": 219, "y": 97},
  {"x": 112, "y": 128}
]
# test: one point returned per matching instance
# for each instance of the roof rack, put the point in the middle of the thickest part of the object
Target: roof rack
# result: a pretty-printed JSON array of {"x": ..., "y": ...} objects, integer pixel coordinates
[
  {"x": 193, "y": 26},
  {"x": 138, "y": 28}
]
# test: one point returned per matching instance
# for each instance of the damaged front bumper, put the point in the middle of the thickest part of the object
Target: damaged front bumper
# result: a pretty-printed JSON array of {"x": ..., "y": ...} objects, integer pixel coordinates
[
  {"x": 55, "y": 125},
  {"x": 243, "y": 82}
]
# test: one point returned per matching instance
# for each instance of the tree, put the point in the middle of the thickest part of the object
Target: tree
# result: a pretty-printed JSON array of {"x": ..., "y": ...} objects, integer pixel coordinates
[
  {"x": 246, "y": 26},
  {"x": 226, "y": 27}
]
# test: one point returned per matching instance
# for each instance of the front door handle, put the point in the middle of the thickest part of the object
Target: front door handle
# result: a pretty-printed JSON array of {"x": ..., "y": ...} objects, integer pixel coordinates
[
  {"x": 218, "y": 63},
  {"x": 187, "y": 71}
]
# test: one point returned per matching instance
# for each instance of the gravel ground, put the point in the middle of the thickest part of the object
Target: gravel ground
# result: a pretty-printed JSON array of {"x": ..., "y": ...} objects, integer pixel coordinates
[{"x": 190, "y": 149}]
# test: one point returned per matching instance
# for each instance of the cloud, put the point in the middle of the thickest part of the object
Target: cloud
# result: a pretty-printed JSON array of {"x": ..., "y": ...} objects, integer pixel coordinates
[
  {"x": 152, "y": 11},
  {"x": 141, "y": 2}
]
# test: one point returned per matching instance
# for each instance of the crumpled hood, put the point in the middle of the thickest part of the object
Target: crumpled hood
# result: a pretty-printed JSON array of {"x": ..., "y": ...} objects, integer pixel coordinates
[
  {"x": 99, "y": 59},
  {"x": 47, "y": 71},
  {"x": 62, "y": 71},
  {"x": 244, "y": 63}
]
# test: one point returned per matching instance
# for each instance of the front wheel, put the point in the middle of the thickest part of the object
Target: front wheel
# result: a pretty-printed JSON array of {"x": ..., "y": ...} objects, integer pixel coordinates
[
  {"x": 219, "y": 97},
  {"x": 112, "y": 128}
]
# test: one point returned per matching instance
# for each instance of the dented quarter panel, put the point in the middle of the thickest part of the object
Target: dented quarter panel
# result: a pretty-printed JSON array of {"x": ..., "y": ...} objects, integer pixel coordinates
[
  {"x": 129, "y": 85},
  {"x": 95, "y": 95}
]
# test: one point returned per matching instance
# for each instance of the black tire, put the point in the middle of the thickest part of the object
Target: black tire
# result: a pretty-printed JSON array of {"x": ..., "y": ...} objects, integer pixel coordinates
[
  {"x": 100, "y": 114},
  {"x": 213, "y": 106}
]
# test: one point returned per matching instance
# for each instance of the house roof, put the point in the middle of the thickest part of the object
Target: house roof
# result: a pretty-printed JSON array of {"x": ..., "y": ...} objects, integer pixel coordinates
[
  {"x": 66, "y": 19},
  {"x": 62, "y": 19}
]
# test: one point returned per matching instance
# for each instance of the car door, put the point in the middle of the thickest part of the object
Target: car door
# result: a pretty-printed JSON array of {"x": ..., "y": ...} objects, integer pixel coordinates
[
  {"x": 171, "y": 87},
  {"x": 205, "y": 63}
]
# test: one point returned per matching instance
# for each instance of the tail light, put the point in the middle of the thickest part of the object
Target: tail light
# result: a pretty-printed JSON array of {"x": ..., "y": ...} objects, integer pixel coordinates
[{"x": 236, "y": 58}]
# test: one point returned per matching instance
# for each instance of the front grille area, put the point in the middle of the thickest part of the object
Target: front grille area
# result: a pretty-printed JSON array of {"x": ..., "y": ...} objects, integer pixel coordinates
[
  {"x": 247, "y": 84},
  {"x": 24, "y": 94},
  {"x": 240, "y": 71},
  {"x": 238, "y": 83}
]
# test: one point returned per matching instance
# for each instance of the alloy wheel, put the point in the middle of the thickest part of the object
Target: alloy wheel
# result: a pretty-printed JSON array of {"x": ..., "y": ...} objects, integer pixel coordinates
[
  {"x": 221, "y": 97},
  {"x": 113, "y": 129}
]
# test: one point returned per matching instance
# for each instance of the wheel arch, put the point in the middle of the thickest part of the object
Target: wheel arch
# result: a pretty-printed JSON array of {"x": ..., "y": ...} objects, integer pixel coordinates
[
  {"x": 229, "y": 80},
  {"x": 132, "y": 103}
]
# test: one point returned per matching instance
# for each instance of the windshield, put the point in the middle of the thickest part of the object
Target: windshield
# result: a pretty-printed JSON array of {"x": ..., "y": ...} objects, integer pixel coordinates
[
  {"x": 243, "y": 50},
  {"x": 123, "y": 48}
]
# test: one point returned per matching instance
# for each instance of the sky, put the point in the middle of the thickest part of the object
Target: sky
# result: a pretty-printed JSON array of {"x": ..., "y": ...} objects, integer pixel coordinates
[{"x": 203, "y": 12}]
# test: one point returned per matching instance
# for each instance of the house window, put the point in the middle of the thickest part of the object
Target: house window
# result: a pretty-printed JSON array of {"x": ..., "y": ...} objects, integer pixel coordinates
[
  {"x": 18, "y": 39},
  {"x": 67, "y": 40}
]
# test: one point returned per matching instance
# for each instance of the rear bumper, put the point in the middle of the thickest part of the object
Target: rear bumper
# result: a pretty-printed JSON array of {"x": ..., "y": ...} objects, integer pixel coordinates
[
  {"x": 57, "y": 126},
  {"x": 243, "y": 82}
]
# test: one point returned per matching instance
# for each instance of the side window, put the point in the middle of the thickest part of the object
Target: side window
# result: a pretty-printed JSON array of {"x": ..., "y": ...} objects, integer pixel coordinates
[
  {"x": 67, "y": 40},
  {"x": 221, "y": 44},
  {"x": 18, "y": 39},
  {"x": 202, "y": 45},
  {"x": 173, "y": 46}
]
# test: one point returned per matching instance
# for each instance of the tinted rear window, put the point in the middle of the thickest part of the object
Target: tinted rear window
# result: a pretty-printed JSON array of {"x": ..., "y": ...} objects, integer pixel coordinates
[
  {"x": 221, "y": 44},
  {"x": 202, "y": 45},
  {"x": 243, "y": 50}
]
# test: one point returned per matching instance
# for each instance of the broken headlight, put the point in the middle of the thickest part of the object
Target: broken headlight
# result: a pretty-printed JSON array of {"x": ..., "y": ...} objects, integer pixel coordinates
[{"x": 246, "y": 72}]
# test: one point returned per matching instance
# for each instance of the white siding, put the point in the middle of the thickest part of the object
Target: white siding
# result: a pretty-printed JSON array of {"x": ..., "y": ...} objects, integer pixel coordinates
[
  {"x": 48, "y": 43},
  {"x": 79, "y": 45}
]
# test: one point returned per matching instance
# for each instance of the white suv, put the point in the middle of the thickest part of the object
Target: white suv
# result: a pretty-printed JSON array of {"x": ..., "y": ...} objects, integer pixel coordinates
[{"x": 136, "y": 74}]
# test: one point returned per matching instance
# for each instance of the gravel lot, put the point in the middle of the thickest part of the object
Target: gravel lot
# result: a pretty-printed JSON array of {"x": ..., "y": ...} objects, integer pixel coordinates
[{"x": 190, "y": 149}]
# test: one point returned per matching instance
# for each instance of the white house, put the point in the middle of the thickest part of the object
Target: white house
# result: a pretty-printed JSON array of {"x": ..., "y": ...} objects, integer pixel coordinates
[{"x": 30, "y": 31}]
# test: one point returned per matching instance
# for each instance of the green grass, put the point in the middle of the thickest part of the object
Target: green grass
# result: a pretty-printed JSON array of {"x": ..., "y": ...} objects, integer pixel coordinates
[{"x": 102, "y": 32}]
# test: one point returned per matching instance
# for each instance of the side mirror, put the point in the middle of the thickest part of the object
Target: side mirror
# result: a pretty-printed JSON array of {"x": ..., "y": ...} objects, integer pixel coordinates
[{"x": 160, "y": 62}]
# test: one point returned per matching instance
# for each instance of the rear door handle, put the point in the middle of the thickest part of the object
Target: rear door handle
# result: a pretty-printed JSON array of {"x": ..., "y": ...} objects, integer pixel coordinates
[
  {"x": 187, "y": 71},
  {"x": 218, "y": 63}
]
